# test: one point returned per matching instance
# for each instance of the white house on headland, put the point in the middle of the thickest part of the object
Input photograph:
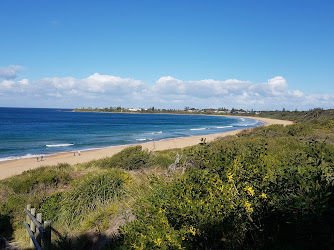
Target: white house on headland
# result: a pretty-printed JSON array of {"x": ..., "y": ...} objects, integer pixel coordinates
[{"x": 134, "y": 110}]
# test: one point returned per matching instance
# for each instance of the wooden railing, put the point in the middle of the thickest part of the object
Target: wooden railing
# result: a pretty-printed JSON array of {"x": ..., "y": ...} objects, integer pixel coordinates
[{"x": 38, "y": 234}]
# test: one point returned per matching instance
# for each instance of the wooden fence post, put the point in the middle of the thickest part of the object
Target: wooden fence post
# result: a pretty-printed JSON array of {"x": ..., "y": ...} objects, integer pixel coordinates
[
  {"x": 32, "y": 225},
  {"x": 28, "y": 220},
  {"x": 38, "y": 233},
  {"x": 47, "y": 237},
  {"x": 27, "y": 217}
]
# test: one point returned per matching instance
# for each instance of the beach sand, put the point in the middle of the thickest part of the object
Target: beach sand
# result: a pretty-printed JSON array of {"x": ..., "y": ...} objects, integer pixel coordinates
[{"x": 15, "y": 167}]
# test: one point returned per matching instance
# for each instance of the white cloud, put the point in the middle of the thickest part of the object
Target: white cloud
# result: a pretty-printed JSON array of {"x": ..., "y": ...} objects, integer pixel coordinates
[
  {"x": 10, "y": 72},
  {"x": 24, "y": 82},
  {"x": 59, "y": 83},
  {"x": 106, "y": 90},
  {"x": 204, "y": 88},
  {"x": 113, "y": 85},
  {"x": 12, "y": 86}
]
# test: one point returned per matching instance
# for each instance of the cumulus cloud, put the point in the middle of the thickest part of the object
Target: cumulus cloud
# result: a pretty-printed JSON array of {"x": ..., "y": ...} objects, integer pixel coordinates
[
  {"x": 204, "y": 88},
  {"x": 14, "y": 86},
  {"x": 106, "y": 90},
  {"x": 113, "y": 85},
  {"x": 10, "y": 72}
]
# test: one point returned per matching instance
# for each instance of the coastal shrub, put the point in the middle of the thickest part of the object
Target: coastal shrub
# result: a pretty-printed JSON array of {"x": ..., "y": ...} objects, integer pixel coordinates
[
  {"x": 164, "y": 158},
  {"x": 90, "y": 192},
  {"x": 51, "y": 205},
  {"x": 13, "y": 208},
  {"x": 198, "y": 210},
  {"x": 250, "y": 191},
  {"x": 5, "y": 193},
  {"x": 47, "y": 176},
  {"x": 130, "y": 158}
]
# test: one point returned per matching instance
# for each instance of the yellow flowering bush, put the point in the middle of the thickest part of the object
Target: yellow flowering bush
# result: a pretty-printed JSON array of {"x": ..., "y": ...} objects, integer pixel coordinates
[
  {"x": 245, "y": 192},
  {"x": 249, "y": 190}
]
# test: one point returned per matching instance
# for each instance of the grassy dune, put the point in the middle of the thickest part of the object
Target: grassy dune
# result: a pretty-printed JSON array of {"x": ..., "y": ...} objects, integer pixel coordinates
[{"x": 269, "y": 187}]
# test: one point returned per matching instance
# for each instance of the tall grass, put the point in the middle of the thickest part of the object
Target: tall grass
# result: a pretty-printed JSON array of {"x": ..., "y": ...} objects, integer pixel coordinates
[{"x": 89, "y": 193}]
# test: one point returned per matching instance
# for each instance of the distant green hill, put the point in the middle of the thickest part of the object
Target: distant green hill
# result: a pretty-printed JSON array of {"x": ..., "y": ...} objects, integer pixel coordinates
[{"x": 298, "y": 116}]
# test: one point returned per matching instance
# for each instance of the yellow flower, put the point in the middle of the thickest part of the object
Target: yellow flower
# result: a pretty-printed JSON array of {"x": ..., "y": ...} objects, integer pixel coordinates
[
  {"x": 158, "y": 242},
  {"x": 192, "y": 230},
  {"x": 142, "y": 235},
  {"x": 249, "y": 190},
  {"x": 263, "y": 196},
  {"x": 161, "y": 210},
  {"x": 137, "y": 247},
  {"x": 230, "y": 176},
  {"x": 248, "y": 207}
]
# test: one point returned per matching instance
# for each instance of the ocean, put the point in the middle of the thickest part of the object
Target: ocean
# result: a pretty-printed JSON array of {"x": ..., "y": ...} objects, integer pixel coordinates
[{"x": 31, "y": 132}]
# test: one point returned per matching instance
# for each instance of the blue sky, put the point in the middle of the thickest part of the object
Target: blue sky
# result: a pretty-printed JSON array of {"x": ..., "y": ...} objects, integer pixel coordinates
[{"x": 168, "y": 54}]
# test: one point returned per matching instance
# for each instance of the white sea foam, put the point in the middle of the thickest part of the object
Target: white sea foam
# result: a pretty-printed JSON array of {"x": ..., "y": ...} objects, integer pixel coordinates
[
  {"x": 250, "y": 124},
  {"x": 153, "y": 133},
  {"x": 142, "y": 139},
  {"x": 198, "y": 128},
  {"x": 27, "y": 156},
  {"x": 60, "y": 145},
  {"x": 225, "y": 127}
]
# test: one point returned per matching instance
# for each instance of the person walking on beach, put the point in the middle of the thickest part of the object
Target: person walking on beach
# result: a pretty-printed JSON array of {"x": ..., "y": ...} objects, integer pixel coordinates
[
  {"x": 37, "y": 158},
  {"x": 79, "y": 152},
  {"x": 42, "y": 158}
]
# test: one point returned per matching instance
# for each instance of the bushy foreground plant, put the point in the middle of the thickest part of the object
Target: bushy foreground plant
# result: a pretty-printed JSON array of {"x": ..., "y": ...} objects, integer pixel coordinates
[
  {"x": 199, "y": 210},
  {"x": 47, "y": 176},
  {"x": 30, "y": 187},
  {"x": 255, "y": 191},
  {"x": 129, "y": 158},
  {"x": 51, "y": 205},
  {"x": 88, "y": 194}
]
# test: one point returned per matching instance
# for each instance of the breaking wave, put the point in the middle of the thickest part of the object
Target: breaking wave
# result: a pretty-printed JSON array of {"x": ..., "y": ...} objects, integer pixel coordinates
[{"x": 60, "y": 145}]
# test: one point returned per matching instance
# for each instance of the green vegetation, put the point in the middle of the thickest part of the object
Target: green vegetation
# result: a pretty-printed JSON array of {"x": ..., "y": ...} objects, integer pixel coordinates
[
  {"x": 151, "y": 110},
  {"x": 269, "y": 187},
  {"x": 130, "y": 158},
  {"x": 313, "y": 115}
]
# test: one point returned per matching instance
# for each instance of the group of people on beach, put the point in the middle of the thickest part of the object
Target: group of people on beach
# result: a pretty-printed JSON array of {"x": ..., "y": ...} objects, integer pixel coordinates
[
  {"x": 42, "y": 157},
  {"x": 78, "y": 152}
]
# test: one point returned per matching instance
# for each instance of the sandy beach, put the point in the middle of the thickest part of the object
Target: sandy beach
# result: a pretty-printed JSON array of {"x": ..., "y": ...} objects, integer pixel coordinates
[{"x": 15, "y": 167}]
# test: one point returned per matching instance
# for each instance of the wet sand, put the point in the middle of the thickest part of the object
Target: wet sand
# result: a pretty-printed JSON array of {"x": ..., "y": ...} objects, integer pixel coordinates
[{"x": 15, "y": 167}]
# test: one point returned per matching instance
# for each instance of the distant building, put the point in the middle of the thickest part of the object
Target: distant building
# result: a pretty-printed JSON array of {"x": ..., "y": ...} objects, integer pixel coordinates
[
  {"x": 193, "y": 110},
  {"x": 134, "y": 110}
]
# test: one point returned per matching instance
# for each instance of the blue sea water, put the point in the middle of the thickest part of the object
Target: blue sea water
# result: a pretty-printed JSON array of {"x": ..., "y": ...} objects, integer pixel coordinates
[{"x": 31, "y": 132}]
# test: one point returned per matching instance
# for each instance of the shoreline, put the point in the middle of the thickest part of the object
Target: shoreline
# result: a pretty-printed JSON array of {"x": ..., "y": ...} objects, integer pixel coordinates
[{"x": 16, "y": 167}]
